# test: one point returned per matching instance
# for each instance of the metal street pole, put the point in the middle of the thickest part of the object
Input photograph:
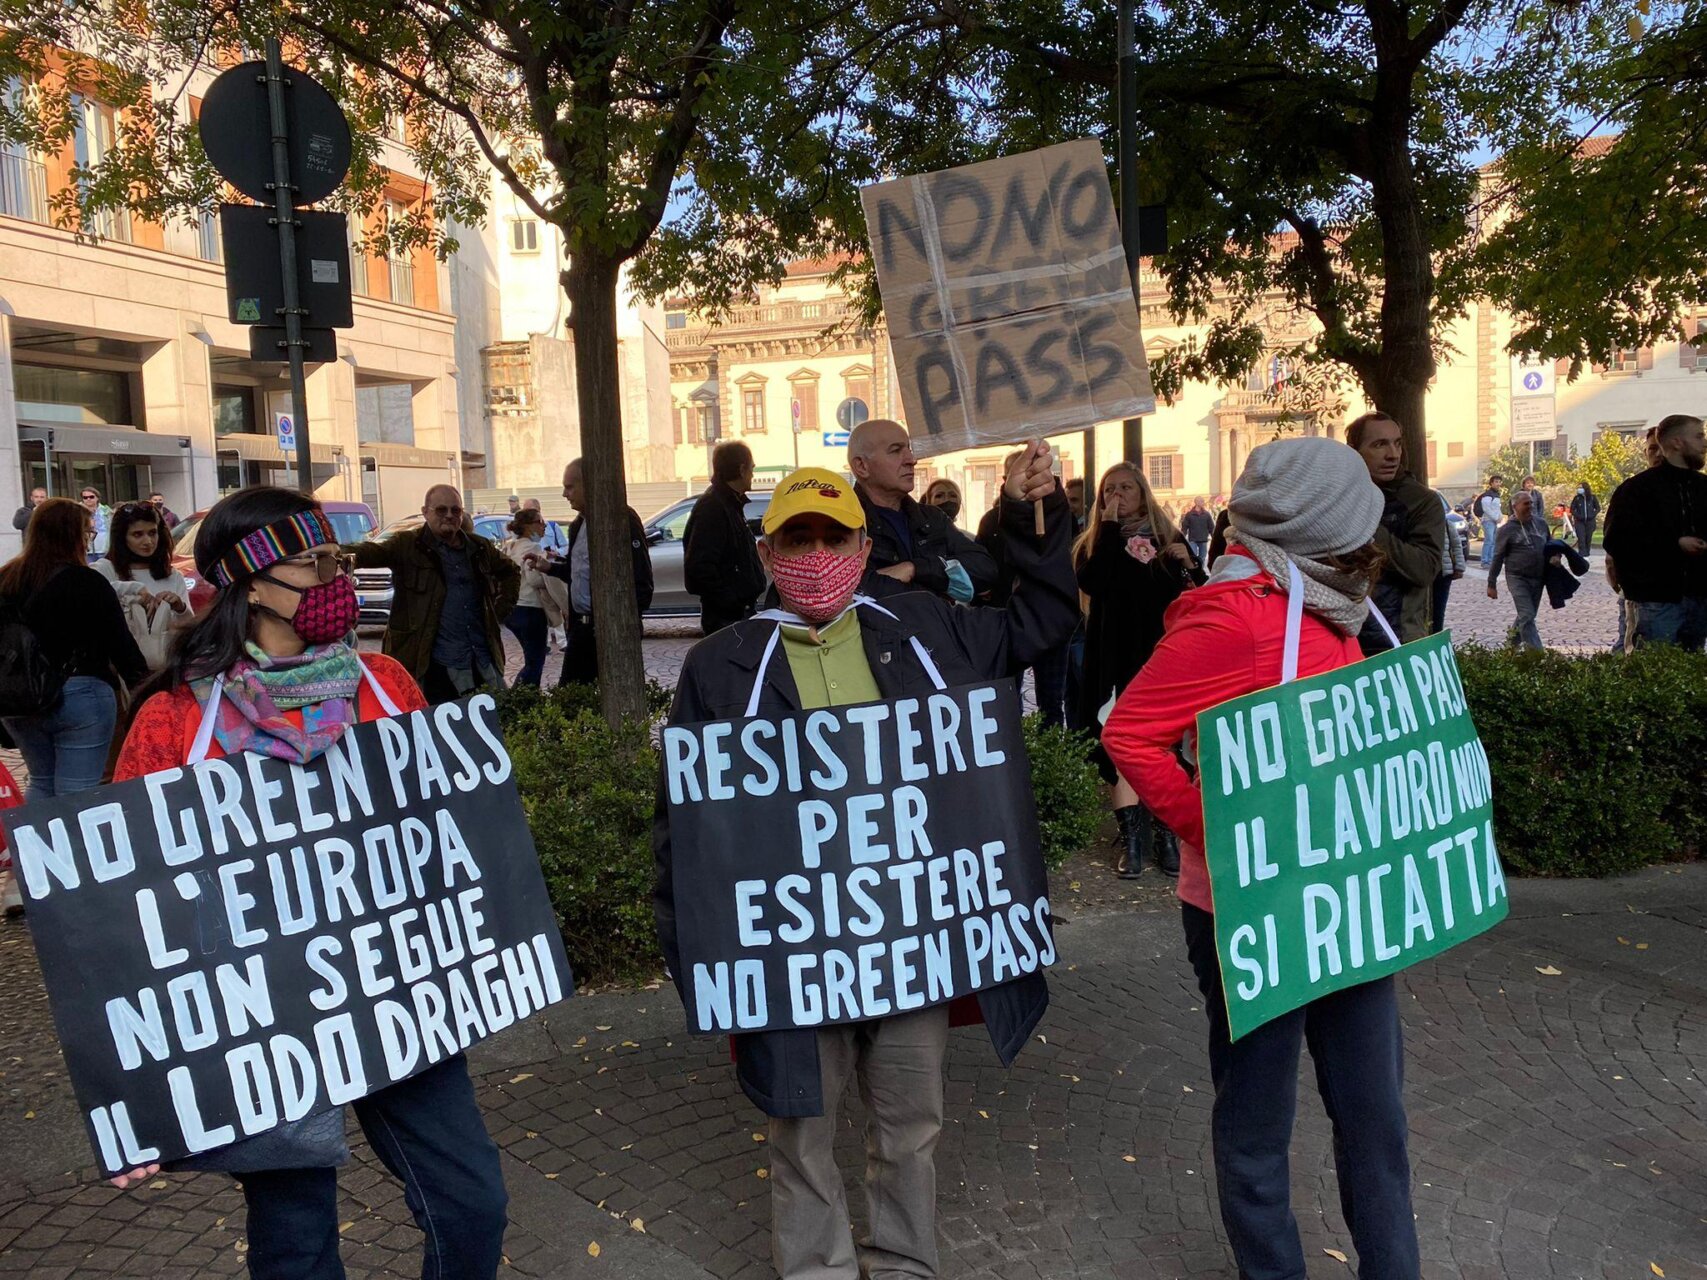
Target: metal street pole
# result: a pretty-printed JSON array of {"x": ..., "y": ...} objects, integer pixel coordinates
[
  {"x": 1128, "y": 105},
  {"x": 284, "y": 218}
]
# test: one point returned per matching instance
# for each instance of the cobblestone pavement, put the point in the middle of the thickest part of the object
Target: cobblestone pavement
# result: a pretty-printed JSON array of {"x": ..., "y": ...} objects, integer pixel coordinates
[{"x": 1558, "y": 1126}]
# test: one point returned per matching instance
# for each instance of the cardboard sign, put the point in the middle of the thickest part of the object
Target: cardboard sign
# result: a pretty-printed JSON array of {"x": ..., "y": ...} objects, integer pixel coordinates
[
  {"x": 1008, "y": 300},
  {"x": 1350, "y": 829},
  {"x": 245, "y": 941},
  {"x": 854, "y": 862}
]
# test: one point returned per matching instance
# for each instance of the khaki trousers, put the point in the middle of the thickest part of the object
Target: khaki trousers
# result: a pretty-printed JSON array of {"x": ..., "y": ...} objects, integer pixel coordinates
[{"x": 898, "y": 1062}]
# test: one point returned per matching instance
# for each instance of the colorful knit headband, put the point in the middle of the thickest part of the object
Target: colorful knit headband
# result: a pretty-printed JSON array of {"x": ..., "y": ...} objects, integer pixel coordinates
[{"x": 277, "y": 541}]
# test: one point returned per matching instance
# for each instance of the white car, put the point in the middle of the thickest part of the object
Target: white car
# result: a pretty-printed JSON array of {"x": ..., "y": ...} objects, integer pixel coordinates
[{"x": 664, "y": 533}]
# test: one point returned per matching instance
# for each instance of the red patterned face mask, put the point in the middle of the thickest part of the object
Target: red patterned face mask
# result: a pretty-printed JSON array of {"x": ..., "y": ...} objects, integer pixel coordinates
[
  {"x": 326, "y": 612},
  {"x": 818, "y": 585}
]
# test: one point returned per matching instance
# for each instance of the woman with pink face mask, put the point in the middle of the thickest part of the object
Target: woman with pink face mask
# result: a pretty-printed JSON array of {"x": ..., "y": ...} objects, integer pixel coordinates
[
  {"x": 270, "y": 667},
  {"x": 829, "y": 645}
]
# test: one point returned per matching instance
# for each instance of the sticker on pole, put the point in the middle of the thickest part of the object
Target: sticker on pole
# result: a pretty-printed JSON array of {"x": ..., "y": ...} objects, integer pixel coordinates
[
  {"x": 1349, "y": 829},
  {"x": 287, "y": 431}
]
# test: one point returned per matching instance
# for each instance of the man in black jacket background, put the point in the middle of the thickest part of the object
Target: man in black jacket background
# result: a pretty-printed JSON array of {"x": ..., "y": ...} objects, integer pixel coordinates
[
  {"x": 911, "y": 542},
  {"x": 581, "y": 657},
  {"x": 1656, "y": 538},
  {"x": 720, "y": 561}
]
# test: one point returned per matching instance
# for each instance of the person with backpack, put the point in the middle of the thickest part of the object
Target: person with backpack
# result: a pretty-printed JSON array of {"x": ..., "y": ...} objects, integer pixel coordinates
[
  {"x": 59, "y": 698},
  {"x": 269, "y": 668}
]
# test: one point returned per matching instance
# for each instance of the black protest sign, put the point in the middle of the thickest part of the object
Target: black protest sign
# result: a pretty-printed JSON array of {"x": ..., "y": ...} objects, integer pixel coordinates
[
  {"x": 1008, "y": 298},
  {"x": 854, "y": 862},
  {"x": 242, "y": 942}
]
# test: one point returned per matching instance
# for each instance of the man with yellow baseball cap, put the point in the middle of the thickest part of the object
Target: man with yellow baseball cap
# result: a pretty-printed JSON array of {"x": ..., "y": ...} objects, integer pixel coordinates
[{"x": 829, "y": 645}]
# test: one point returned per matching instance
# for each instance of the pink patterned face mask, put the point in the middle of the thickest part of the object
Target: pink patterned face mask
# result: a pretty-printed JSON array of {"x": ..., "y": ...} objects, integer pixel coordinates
[{"x": 818, "y": 585}]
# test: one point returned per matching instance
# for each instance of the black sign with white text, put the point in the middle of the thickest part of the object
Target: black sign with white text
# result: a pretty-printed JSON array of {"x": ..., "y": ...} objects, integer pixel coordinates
[
  {"x": 855, "y": 862},
  {"x": 245, "y": 941}
]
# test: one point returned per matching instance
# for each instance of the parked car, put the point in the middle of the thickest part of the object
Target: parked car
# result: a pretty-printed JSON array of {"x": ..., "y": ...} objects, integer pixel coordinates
[
  {"x": 495, "y": 527},
  {"x": 353, "y": 521},
  {"x": 664, "y": 532}
]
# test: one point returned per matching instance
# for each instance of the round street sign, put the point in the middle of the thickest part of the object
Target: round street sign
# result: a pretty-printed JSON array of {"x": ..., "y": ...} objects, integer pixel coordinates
[
  {"x": 851, "y": 412},
  {"x": 1532, "y": 381},
  {"x": 237, "y": 133}
]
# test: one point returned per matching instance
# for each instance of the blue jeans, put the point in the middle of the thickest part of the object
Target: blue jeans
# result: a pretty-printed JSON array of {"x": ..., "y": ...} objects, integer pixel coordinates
[
  {"x": 527, "y": 623},
  {"x": 66, "y": 749},
  {"x": 1679, "y": 622},
  {"x": 1526, "y": 595},
  {"x": 427, "y": 1129},
  {"x": 1357, "y": 1047},
  {"x": 1490, "y": 532}
]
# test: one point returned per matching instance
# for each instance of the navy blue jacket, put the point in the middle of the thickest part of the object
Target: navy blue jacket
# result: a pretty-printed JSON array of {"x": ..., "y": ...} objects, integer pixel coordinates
[{"x": 779, "y": 1070}]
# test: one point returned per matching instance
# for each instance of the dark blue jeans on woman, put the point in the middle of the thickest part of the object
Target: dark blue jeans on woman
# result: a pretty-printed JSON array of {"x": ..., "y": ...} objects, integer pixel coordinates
[
  {"x": 66, "y": 749},
  {"x": 527, "y": 623},
  {"x": 427, "y": 1129},
  {"x": 1355, "y": 1042}
]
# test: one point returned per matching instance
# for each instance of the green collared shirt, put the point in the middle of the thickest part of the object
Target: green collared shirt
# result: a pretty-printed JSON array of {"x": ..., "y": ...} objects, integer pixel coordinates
[{"x": 832, "y": 671}]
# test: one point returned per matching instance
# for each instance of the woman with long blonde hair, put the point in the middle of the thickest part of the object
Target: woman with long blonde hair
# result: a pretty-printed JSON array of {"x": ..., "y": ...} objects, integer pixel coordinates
[{"x": 1132, "y": 562}]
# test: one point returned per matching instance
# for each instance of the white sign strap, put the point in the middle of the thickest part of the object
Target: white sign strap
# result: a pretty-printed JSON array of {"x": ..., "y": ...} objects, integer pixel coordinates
[
  {"x": 210, "y": 713},
  {"x": 1295, "y": 623},
  {"x": 784, "y": 618}
]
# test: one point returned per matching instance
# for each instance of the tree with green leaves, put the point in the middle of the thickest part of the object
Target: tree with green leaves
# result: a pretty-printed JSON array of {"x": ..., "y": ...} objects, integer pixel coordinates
[
  {"x": 733, "y": 118},
  {"x": 1599, "y": 246},
  {"x": 1322, "y": 155}
]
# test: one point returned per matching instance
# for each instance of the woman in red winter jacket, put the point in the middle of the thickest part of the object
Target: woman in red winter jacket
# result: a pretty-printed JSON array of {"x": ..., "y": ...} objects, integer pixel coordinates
[
  {"x": 269, "y": 668},
  {"x": 1306, "y": 505}
]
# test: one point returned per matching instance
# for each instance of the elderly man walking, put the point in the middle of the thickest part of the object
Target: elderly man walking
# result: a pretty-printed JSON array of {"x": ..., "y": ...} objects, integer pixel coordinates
[
  {"x": 910, "y": 542},
  {"x": 452, "y": 590}
]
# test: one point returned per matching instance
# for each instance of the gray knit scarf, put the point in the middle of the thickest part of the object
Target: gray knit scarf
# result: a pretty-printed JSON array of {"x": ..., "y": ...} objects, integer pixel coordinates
[{"x": 1339, "y": 597}]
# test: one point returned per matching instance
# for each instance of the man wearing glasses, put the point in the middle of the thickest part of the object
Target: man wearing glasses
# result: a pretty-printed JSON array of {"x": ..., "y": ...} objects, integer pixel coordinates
[
  {"x": 451, "y": 591},
  {"x": 102, "y": 515}
]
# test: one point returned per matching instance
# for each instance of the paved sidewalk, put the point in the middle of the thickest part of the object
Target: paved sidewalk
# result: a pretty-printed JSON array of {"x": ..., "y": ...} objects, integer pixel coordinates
[{"x": 1558, "y": 1124}]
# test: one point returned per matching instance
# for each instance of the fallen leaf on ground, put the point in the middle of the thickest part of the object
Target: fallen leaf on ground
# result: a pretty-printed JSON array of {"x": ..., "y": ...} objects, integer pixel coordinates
[
  {"x": 1336, "y": 1255},
  {"x": 1655, "y": 1268},
  {"x": 639, "y": 1226},
  {"x": 764, "y": 1173},
  {"x": 985, "y": 1114},
  {"x": 1641, "y": 946},
  {"x": 344, "y": 1226},
  {"x": 552, "y": 1177},
  {"x": 601, "y": 1028},
  {"x": 1623, "y": 942},
  {"x": 758, "y": 1137},
  {"x": 593, "y": 1249},
  {"x": 1130, "y": 1159},
  {"x": 1548, "y": 971},
  {"x": 526, "y": 1075}
]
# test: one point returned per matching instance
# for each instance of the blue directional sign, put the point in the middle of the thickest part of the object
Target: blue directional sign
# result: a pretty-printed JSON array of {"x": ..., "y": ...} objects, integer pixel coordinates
[{"x": 835, "y": 439}]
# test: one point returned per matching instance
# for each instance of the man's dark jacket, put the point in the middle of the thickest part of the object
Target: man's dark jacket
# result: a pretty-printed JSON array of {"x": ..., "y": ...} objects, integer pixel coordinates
[
  {"x": 418, "y": 592},
  {"x": 935, "y": 540},
  {"x": 1561, "y": 579},
  {"x": 1412, "y": 535},
  {"x": 637, "y": 547},
  {"x": 720, "y": 561},
  {"x": 779, "y": 1070},
  {"x": 1648, "y": 513}
]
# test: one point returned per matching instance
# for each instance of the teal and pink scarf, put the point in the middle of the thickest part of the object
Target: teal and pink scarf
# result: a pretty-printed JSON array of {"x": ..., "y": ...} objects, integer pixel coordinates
[{"x": 322, "y": 682}]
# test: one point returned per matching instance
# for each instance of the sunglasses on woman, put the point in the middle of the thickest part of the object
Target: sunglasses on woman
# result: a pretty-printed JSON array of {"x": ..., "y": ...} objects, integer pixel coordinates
[{"x": 329, "y": 566}]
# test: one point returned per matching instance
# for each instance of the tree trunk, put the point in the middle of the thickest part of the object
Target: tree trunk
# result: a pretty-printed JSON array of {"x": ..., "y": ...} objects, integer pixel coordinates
[
  {"x": 1406, "y": 362},
  {"x": 591, "y": 283}
]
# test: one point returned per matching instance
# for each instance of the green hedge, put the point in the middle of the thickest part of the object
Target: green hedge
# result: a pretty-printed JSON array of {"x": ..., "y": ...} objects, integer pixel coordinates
[
  {"x": 588, "y": 792},
  {"x": 1599, "y": 763}
]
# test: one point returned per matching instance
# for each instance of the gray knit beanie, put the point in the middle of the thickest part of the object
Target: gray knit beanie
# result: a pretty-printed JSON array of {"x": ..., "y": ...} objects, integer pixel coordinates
[{"x": 1309, "y": 496}]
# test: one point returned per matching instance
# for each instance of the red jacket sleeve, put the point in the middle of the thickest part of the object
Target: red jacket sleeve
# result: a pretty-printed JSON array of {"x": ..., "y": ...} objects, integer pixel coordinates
[
  {"x": 1207, "y": 656},
  {"x": 156, "y": 737},
  {"x": 395, "y": 679}
]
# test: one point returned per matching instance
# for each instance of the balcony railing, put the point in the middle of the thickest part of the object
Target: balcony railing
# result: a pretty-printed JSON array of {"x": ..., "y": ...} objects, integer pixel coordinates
[
  {"x": 23, "y": 187},
  {"x": 768, "y": 316},
  {"x": 403, "y": 282}
]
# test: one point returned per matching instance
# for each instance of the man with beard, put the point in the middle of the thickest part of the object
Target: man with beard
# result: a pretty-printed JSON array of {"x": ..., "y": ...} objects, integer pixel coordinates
[
  {"x": 1656, "y": 536},
  {"x": 828, "y": 646}
]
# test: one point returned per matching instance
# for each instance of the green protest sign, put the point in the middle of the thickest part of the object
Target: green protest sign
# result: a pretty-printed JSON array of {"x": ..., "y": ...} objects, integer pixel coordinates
[{"x": 1348, "y": 821}]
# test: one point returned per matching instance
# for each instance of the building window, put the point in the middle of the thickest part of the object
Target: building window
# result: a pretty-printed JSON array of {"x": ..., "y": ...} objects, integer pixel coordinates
[
  {"x": 705, "y": 422},
  {"x": 94, "y": 138},
  {"x": 1543, "y": 449},
  {"x": 857, "y": 386},
  {"x": 524, "y": 235},
  {"x": 96, "y": 397},
  {"x": 753, "y": 411},
  {"x": 680, "y": 417},
  {"x": 1690, "y": 355},
  {"x": 803, "y": 404},
  {"x": 399, "y": 259},
  {"x": 23, "y": 177},
  {"x": 233, "y": 411},
  {"x": 1165, "y": 470},
  {"x": 1629, "y": 360},
  {"x": 1629, "y": 430},
  {"x": 358, "y": 256},
  {"x": 675, "y": 319}
]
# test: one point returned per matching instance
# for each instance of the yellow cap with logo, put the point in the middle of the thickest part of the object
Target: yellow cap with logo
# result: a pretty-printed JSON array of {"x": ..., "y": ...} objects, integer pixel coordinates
[{"x": 814, "y": 491}]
